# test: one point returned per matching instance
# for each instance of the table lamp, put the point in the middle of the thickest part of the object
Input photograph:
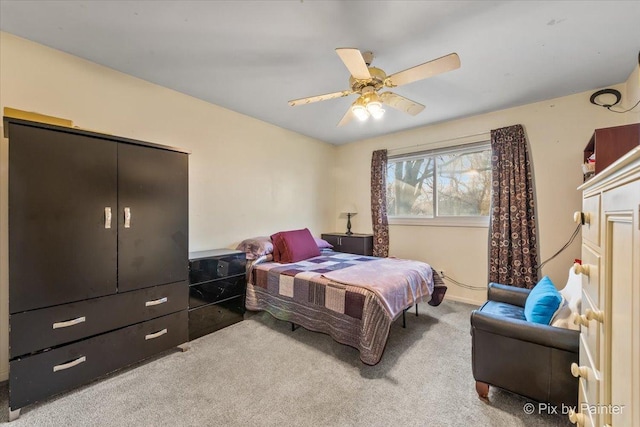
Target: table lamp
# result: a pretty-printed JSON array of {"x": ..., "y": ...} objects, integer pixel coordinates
[{"x": 349, "y": 210}]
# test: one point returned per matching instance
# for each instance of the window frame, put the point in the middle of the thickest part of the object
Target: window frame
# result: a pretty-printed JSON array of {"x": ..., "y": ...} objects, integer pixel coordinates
[{"x": 441, "y": 220}]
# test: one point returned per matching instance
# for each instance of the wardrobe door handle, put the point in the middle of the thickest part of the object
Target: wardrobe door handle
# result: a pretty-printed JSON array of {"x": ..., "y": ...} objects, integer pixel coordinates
[
  {"x": 127, "y": 217},
  {"x": 107, "y": 217},
  {"x": 155, "y": 335},
  {"x": 71, "y": 364},
  {"x": 156, "y": 302},
  {"x": 68, "y": 323}
]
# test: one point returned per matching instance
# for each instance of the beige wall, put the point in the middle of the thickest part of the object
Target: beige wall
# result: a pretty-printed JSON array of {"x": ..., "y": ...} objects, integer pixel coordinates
[
  {"x": 557, "y": 130},
  {"x": 249, "y": 178},
  {"x": 631, "y": 94},
  {"x": 246, "y": 177}
]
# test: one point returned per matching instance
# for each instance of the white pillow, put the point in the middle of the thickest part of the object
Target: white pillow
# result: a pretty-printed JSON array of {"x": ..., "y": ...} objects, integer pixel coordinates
[
  {"x": 564, "y": 317},
  {"x": 572, "y": 300}
]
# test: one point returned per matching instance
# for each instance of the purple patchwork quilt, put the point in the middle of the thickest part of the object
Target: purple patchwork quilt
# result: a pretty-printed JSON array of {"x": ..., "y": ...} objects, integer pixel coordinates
[{"x": 351, "y": 307}]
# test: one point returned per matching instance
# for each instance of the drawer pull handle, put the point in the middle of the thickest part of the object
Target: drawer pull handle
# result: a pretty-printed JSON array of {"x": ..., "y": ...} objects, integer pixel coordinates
[
  {"x": 581, "y": 269},
  {"x": 156, "y": 335},
  {"x": 579, "y": 371},
  {"x": 156, "y": 302},
  {"x": 68, "y": 323},
  {"x": 581, "y": 217},
  {"x": 576, "y": 418},
  {"x": 581, "y": 320},
  {"x": 594, "y": 315},
  {"x": 71, "y": 364}
]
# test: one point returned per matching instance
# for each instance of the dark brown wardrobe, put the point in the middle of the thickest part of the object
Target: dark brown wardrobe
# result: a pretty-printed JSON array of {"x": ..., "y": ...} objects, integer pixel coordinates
[{"x": 98, "y": 264}]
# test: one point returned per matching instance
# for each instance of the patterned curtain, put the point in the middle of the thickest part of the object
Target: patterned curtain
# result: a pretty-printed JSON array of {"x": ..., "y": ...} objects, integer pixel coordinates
[
  {"x": 379, "y": 204},
  {"x": 513, "y": 251}
]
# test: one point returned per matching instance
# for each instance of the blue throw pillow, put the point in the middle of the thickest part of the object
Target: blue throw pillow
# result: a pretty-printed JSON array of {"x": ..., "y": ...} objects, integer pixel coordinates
[{"x": 543, "y": 301}]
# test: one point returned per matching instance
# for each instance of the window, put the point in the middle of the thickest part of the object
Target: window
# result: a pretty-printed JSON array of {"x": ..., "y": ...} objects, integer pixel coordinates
[{"x": 441, "y": 187}]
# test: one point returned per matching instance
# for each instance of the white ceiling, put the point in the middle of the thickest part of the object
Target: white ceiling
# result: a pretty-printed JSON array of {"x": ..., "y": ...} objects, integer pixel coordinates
[{"x": 254, "y": 56}]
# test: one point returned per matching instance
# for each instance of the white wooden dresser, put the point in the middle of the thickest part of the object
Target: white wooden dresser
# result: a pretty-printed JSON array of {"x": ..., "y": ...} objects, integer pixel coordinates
[{"x": 609, "y": 368}]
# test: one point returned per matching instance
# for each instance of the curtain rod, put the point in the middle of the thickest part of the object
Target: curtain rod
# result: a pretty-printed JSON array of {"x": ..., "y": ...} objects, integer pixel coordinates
[{"x": 487, "y": 133}]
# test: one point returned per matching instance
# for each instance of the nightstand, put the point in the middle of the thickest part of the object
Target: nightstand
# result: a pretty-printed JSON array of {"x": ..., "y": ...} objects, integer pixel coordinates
[
  {"x": 217, "y": 286},
  {"x": 359, "y": 244}
]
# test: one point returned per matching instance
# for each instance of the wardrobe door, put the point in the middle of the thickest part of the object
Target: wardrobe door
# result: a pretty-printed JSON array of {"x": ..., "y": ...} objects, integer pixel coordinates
[
  {"x": 152, "y": 217},
  {"x": 62, "y": 247}
]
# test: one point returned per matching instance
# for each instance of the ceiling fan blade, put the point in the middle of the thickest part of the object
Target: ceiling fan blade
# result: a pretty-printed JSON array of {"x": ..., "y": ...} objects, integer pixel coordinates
[
  {"x": 317, "y": 98},
  {"x": 354, "y": 62},
  {"x": 422, "y": 71},
  {"x": 348, "y": 116},
  {"x": 401, "y": 103}
]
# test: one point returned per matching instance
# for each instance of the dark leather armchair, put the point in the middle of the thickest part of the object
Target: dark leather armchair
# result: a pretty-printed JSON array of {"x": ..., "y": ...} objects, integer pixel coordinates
[{"x": 526, "y": 358}]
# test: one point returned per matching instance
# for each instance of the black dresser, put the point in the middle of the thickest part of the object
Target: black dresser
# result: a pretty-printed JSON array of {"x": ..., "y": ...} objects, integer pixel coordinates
[
  {"x": 217, "y": 286},
  {"x": 98, "y": 244},
  {"x": 359, "y": 244}
]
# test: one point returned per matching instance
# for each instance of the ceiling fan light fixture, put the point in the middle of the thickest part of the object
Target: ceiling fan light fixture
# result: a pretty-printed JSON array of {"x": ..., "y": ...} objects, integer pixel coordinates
[
  {"x": 359, "y": 109},
  {"x": 377, "y": 114},
  {"x": 360, "y": 112},
  {"x": 375, "y": 109},
  {"x": 366, "y": 81}
]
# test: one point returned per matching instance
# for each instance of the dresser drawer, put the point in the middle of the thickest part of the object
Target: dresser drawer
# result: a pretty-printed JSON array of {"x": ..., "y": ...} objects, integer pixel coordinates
[
  {"x": 591, "y": 281},
  {"x": 49, "y": 327},
  {"x": 583, "y": 404},
  {"x": 72, "y": 365},
  {"x": 207, "y": 269},
  {"x": 209, "y": 318},
  {"x": 216, "y": 291},
  {"x": 591, "y": 333},
  {"x": 591, "y": 229},
  {"x": 589, "y": 384}
]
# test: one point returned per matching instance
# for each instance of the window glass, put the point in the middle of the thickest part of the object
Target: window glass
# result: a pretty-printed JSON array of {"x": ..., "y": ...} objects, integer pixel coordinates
[
  {"x": 453, "y": 182},
  {"x": 464, "y": 184},
  {"x": 410, "y": 187}
]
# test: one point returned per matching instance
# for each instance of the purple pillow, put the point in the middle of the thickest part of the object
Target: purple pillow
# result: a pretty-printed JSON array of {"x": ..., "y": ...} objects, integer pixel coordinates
[
  {"x": 255, "y": 247},
  {"x": 322, "y": 244},
  {"x": 295, "y": 245},
  {"x": 277, "y": 246}
]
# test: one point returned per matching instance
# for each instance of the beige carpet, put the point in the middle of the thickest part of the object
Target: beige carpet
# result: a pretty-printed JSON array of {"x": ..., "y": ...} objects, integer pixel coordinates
[{"x": 259, "y": 373}]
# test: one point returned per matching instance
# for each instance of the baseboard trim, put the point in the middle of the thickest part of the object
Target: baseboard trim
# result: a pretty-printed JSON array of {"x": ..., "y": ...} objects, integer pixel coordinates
[{"x": 464, "y": 300}]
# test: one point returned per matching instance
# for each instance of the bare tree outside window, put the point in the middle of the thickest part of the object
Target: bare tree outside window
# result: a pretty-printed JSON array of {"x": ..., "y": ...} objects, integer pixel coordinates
[
  {"x": 410, "y": 187},
  {"x": 464, "y": 184},
  {"x": 440, "y": 185}
]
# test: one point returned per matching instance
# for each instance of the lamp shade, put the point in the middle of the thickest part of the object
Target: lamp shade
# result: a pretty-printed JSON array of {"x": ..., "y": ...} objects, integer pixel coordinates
[{"x": 350, "y": 208}]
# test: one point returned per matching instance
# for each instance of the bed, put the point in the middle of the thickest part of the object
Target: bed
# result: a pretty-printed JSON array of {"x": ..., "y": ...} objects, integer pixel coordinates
[{"x": 352, "y": 298}]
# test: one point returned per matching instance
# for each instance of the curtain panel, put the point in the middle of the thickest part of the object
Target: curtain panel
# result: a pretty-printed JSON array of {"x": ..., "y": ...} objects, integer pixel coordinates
[
  {"x": 379, "y": 204},
  {"x": 513, "y": 250}
]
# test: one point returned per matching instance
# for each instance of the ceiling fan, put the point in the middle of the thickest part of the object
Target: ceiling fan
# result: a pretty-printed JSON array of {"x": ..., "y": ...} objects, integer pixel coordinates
[{"x": 367, "y": 82}]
